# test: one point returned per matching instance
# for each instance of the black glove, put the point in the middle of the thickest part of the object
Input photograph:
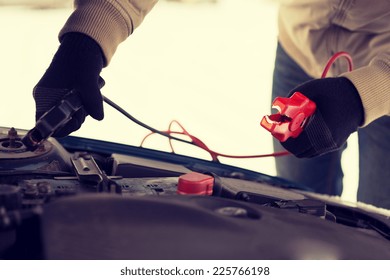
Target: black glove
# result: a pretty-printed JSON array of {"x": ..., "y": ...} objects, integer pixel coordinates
[
  {"x": 339, "y": 113},
  {"x": 76, "y": 65}
]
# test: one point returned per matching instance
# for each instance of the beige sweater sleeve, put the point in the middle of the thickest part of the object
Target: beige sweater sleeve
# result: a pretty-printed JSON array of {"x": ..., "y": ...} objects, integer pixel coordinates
[
  {"x": 373, "y": 85},
  {"x": 108, "y": 22}
]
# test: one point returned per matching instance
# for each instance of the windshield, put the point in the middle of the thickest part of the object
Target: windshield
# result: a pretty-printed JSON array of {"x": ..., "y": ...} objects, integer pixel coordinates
[{"x": 206, "y": 64}]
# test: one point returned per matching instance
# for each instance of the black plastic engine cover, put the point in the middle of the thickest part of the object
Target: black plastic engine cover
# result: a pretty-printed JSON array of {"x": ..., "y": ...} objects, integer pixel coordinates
[{"x": 105, "y": 226}]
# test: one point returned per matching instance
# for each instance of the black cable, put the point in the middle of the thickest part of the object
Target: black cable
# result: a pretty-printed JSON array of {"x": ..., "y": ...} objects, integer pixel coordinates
[{"x": 125, "y": 113}]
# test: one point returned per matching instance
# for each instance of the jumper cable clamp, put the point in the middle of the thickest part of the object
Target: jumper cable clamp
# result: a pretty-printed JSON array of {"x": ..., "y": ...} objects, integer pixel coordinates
[
  {"x": 292, "y": 116},
  {"x": 52, "y": 120}
]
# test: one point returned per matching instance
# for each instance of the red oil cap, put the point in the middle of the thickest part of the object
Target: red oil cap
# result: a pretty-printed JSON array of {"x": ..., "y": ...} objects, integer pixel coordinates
[{"x": 196, "y": 184}]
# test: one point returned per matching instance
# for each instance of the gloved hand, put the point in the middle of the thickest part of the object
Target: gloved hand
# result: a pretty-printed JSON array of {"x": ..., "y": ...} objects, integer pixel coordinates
[
  {"x": 76, "y": 65},
  {"x": 339, "y": 113}
]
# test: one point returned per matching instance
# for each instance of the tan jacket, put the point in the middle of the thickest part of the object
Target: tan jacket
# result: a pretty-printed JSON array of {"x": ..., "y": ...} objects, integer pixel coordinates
[
  {"x": 311, "y": 31},
  {"x": 108, "y": 22}
]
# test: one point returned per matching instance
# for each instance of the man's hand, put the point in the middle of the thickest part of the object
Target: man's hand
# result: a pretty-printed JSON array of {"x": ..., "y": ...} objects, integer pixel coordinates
[
  {"x": 339, "y": 113},
  {"x": 76, "y": 65}
]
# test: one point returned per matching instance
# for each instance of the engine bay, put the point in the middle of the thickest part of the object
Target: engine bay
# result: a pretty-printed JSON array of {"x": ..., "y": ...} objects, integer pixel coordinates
[
  {"x": 78, "y": 198},
  {"x": 52, "y": 171}
]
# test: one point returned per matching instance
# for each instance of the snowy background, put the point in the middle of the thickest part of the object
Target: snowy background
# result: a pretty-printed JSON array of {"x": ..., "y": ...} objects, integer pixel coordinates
[{"x": 206, "y": 64}]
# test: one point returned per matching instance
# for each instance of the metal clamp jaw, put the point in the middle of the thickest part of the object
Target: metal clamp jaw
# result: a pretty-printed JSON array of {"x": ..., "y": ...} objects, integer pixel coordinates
[{"x": 293, "y": 114}]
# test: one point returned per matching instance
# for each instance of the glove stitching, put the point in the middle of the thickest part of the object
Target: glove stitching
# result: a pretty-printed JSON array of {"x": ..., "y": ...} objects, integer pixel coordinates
[{"x": 320, "y": 136}]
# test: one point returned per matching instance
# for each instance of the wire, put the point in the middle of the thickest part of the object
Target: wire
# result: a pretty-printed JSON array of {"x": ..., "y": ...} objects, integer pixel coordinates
[
  {"x": 332, "y": 60},
  {"x": 199, "y": 143},
  {"x": 194, "y": 140},
  {"x": 126, "y": 114}
]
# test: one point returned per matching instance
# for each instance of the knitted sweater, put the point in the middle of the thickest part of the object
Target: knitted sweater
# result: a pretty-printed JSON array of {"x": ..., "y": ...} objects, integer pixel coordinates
[{"x": 108, "y": 22}]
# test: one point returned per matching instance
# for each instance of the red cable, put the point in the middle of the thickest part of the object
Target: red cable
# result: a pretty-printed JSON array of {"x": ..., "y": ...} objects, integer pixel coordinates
[
  {"x": 199, "y": 143},
  {"x": 333, "y": 58}
]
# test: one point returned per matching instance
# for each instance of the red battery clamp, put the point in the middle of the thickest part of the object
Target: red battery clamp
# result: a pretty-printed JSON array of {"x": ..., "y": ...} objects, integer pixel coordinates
[{"x": 293, "y": 114}]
